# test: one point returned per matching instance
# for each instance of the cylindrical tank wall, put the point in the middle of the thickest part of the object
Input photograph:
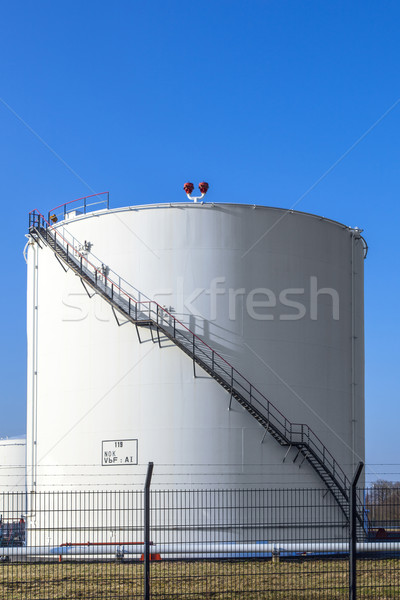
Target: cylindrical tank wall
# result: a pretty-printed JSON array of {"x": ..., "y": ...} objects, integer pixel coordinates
[
  {"x": 12, "y": 479},
  {"x": 278, "y": 294},
  {"x": 12, "y": 464}
]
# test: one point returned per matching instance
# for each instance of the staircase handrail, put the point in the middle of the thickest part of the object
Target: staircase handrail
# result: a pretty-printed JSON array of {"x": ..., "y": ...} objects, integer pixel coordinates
[
  {"x": 305, "y": 435},
  {"x": 68, "y": 238}
]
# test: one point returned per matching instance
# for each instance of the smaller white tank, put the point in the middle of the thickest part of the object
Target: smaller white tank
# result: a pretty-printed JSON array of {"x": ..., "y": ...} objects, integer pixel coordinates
[
  {"x": 12, "y": 465},
  {"x": 12, "y": 480}
]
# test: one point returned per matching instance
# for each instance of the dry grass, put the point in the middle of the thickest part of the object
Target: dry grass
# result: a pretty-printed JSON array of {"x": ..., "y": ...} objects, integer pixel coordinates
[{"x": 208, "y": 580}]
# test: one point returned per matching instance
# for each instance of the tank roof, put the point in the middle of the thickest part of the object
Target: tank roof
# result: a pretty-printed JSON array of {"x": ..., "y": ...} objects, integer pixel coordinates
[{"x": 208, "y": 205}]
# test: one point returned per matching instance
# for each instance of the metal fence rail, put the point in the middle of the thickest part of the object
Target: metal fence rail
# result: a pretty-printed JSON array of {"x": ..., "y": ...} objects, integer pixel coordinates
[{"x": 201, "y": 544}]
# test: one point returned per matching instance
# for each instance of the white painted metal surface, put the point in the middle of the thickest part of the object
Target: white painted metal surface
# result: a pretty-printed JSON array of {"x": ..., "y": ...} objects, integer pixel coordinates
[
  {"x": 278, "y": 294},
  {"x": 12, "y": 465},
  {"x": 12, "y": 479}
]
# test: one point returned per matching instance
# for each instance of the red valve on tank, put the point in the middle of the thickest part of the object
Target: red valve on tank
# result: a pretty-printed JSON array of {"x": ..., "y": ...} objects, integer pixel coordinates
[
  {"x": 188, "y": 187},
  {"x": 203, "y": 187}
]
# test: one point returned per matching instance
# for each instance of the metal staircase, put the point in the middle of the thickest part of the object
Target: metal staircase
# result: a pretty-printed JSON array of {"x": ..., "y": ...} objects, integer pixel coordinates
[{"x": 157, "y": 319}]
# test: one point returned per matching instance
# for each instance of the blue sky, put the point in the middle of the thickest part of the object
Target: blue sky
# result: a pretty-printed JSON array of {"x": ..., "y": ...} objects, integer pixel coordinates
[{"x": 259, "y": 98}]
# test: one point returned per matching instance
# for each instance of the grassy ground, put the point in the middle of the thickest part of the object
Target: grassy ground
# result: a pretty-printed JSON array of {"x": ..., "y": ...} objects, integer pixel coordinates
[{"x": 208, "y": 580}]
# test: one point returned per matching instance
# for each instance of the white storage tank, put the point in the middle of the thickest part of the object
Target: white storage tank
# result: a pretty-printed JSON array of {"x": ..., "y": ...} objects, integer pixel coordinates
[
  {"x": 12, "y": 482},
  {"x": 278, "y": 294},
  {"x": 12, "y": 464}
]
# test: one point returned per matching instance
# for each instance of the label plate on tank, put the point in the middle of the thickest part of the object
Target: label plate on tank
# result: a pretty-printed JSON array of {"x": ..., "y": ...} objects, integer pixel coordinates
[{"x": 119, "y": 452}]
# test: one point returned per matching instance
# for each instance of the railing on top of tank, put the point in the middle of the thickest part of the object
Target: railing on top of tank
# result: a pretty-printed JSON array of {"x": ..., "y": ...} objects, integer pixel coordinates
[
  {"x": 86, "y": 205},
  {"x": 85, "y": 249},
  {"x": 151, "y": 311}
]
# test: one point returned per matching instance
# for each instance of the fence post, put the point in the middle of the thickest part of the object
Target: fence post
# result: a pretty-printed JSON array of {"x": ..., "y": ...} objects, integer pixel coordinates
[
  {"x": 147, "y": 531},
  {"x": 353, "y": 534}
]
